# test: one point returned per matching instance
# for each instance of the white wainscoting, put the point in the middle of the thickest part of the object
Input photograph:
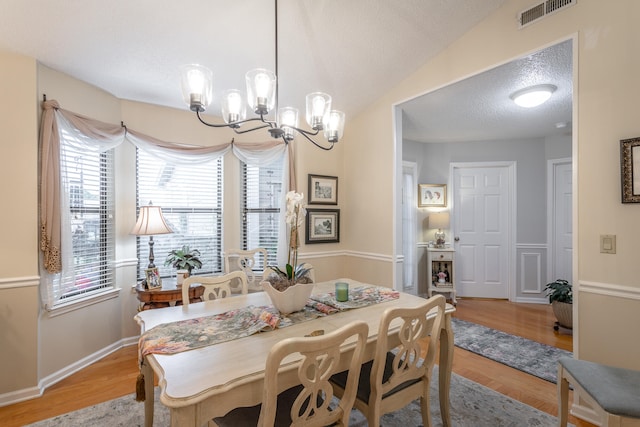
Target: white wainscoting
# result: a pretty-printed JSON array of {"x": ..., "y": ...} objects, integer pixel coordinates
[{"x": 531, "y": 273}]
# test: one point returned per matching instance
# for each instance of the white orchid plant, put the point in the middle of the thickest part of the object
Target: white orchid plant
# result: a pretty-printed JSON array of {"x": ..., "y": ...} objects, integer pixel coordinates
[{"x": 294, "y": 219}]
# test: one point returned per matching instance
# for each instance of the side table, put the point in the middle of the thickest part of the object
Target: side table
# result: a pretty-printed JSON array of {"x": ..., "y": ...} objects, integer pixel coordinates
[
  {"x": 441, "y": 260},
  {"x": 166, "y": 296}
]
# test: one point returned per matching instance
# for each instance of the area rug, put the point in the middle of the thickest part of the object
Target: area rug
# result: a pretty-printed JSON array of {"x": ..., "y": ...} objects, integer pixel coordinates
[
  {"x": 472, "y": 405},
  {"x": 529, "y": 356}
]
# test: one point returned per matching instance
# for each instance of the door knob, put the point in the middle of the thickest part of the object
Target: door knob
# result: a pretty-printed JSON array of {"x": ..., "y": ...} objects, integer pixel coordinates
[{"x": 457, "y": 239}]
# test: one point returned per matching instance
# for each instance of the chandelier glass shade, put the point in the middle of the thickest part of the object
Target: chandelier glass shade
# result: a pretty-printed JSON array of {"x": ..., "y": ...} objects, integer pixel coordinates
[{"x": 262, "y": 98}]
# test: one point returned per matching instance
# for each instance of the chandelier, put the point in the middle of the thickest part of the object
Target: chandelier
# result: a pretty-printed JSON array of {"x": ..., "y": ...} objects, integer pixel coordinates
[{"x": 262, "y": 98}]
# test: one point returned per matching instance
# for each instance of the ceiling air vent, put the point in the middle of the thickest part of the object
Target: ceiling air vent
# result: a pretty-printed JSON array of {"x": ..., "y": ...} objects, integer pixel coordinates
[{"x": 541, "y": 10}]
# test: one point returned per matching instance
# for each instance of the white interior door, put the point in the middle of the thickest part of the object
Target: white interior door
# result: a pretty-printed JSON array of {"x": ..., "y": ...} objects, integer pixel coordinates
[
  {"x": 560, "y": 220},
  {"x": 482, "y": 221},
  {"x": 409, "y": 226}
]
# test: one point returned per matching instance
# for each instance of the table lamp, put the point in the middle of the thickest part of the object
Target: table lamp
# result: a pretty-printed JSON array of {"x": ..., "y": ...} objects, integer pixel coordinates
[
  {"x": 439, "y": 220},
  {"x": 150, "y": 222}
]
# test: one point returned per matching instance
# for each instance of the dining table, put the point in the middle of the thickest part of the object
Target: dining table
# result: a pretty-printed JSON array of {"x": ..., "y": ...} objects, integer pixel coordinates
[{"x": 202, "y": 383}]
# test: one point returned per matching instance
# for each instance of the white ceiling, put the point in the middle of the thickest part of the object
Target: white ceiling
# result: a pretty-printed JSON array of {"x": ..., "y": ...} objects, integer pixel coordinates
[
  {"x": 479, "y": 108},
  {"x": 355, "y": 50}
]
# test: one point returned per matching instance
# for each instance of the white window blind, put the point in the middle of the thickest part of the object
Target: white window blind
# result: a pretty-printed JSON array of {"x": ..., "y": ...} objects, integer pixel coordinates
[
  {"x": 190, "y": 196},
  {"x": 88, "y": 176},
  {"x": 262, "y": 196}
]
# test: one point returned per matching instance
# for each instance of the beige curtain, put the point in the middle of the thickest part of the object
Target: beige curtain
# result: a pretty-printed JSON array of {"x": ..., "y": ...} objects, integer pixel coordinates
[{"x": 50, "y": 186}]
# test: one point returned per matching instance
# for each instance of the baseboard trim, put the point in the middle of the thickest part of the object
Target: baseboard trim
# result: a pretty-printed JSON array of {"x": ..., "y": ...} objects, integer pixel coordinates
[
  {"x": 35, "y": 392},
  {"x": 530, "y": 300}
]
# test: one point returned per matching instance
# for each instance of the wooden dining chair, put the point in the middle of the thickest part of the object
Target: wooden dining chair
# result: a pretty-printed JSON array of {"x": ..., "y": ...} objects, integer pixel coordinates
[
  {"x": 398, "y": 375},
  {"x": 247, "y": 261},
  {"x": 306, "y": 404},
  {"x": 216, "y": 286}
]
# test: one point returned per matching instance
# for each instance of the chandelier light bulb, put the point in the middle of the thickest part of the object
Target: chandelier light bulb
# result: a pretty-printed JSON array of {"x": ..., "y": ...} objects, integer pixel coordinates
[
  {"x": 318, "y": 107},
  {"x": 533, "y": 96},
  {"x": 233, "y": 106},
  {"x": 197, "y": 84},
  {"x": 334, "y": 127},
  {"x": 261, "y": 86},
  {"x": 288, "y": 121}
]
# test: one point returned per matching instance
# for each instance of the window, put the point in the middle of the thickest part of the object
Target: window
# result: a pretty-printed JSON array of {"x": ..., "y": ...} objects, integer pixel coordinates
[
  {"x": 88, "y": 178},
  {"x": 190, "y": 195},
  {"x": 262, "y": 195}
]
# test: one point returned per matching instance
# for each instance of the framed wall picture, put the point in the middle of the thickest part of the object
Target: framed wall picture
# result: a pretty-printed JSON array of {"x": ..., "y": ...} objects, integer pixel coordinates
[
  {"x": 432, "y": 195},
  {"x": 323, "y": 190},
  {"x": 630, "y": 170},
  {"x": 153, "y": 278},
  {"x": 323, "y": 226}
]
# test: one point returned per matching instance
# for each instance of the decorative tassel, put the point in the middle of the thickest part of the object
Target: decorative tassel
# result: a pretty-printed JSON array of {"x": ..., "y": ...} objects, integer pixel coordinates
[{"x": 140, "y": 395}]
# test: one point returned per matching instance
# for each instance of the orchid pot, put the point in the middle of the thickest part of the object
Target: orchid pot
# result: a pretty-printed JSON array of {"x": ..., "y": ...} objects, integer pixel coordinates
[{"x": 290, "y": 300}]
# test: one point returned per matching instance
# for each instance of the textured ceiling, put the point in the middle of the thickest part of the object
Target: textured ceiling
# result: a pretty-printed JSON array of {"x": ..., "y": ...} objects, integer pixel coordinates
[
  {"x": 479, "y": 108},
  {"x": 355, "y": 50}
]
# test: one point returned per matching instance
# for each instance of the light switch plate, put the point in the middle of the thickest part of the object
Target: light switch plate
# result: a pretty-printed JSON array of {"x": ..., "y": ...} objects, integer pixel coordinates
[{"x": 608, "y": 243}]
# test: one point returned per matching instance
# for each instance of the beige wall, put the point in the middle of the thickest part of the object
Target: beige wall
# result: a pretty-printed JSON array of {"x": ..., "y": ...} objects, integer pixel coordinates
[
  {"x": 605, "y": 109},
  {"x": 18, "y": 224},
  {"x": 606, "y": 91}
]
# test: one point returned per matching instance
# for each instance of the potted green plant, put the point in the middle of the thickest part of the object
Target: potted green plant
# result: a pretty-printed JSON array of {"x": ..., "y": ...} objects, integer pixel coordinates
[
  {"x": 184, "y": 258},
  {"x": 560, "y": 294}
]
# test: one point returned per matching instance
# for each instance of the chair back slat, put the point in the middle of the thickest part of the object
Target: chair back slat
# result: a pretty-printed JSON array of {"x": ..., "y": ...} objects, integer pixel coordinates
[{"x": 321, "y": 358}]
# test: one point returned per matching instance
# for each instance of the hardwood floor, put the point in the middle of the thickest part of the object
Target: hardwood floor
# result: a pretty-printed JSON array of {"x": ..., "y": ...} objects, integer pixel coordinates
[{"x": 115, "y": 375}]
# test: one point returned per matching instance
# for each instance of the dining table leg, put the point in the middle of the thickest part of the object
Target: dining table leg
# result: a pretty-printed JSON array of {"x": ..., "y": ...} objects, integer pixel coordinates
[
  {"x": 444, "y": 372},
  {"x": 149, "y": 381}
]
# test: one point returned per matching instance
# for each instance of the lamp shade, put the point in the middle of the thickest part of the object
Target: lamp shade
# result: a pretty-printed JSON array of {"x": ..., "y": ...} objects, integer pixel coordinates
[
  {"x": 439, "y": 220},
  {"x": 150, "y": 222}
]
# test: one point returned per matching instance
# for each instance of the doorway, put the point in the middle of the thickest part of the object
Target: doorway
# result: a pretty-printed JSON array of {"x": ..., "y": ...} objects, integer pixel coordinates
[
  {"x": 478, "y": 122},
  {"x": 560, "y": 225}
]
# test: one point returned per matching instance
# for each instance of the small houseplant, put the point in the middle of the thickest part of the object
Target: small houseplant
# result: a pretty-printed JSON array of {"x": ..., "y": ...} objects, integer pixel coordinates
[
  {"x": 184, "y": 258},
  {"x": 560, "y": 294},
  {"x": 289, "y": 288}
]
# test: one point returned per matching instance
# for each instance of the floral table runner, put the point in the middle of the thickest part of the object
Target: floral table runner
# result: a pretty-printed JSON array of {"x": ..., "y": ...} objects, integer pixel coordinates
[
  {"x": 190, "y": 334},
  {"x": 183, "y": 335}
]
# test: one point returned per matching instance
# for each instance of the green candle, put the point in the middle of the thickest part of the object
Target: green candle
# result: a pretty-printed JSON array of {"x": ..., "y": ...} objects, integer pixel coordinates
[{"x": 342, "y": 291}]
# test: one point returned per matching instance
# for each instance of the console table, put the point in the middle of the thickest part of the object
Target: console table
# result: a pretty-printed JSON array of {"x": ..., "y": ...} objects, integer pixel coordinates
[{"x": 166, "y": 296}]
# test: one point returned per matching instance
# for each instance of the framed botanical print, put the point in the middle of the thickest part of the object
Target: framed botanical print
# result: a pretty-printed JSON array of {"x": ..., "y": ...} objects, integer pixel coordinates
[
  {"x": 432, "y": 195},
  {"x": 323, "y": 190},
  {"x": 323, "y": 226}
]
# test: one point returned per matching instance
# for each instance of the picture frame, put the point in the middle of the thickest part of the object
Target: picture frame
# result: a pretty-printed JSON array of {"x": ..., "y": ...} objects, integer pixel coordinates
[
  {"x": 323, "y": 226},
  {"x": 630, "y": 169},
  {"x": 432, "y": 195},
  {"x": 152, "y": 277},
  {"x": 323, "y": 190}
]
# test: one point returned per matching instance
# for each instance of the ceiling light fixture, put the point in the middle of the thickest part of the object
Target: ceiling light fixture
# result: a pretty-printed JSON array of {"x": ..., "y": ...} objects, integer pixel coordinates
[
  {"x": 533, "y": 96},
  {"x": 262, "y": 97}
]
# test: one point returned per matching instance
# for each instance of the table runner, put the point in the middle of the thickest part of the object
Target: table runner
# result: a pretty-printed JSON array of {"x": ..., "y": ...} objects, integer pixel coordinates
[
  {"x": 183, "y": 335},
  {"x": 169, "y": 338}
]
